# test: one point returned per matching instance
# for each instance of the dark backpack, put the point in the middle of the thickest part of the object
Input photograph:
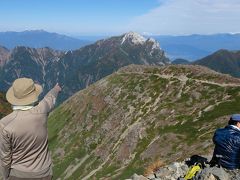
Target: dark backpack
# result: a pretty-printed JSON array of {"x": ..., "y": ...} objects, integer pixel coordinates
[
  {"x": 195, "y": 163},
  {"x": 196, "y": 159}
]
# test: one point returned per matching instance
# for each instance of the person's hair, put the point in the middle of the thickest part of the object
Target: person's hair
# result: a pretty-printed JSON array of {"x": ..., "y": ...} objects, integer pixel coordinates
[{"x": 232, "y": 122}]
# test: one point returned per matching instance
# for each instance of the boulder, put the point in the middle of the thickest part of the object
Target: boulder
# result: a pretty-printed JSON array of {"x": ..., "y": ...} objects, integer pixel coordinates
[
  {"x": 216, "y": 172},
  {"x": 139, "y": 177}
]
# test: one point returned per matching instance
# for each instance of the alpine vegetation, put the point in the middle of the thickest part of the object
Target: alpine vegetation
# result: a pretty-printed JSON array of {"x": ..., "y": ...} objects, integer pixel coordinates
[{"x": 124, "y": 122}]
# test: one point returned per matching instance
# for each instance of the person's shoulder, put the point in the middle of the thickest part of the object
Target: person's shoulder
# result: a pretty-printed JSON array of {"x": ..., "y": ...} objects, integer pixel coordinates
[
  {"x": 236, "y": 137},
  {"x": 39, "y": 108},
  {"x": 8, "y": 119},
  {"x": 221, "y": 130},
  {"x": 226, "y": 131},
  {"x": 233, "y": 129},
  {"x": 234, "y": 133}
]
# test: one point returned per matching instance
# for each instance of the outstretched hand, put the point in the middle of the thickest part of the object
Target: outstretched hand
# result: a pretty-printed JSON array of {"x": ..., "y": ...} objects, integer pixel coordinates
[{"x": 57, "y": 87}]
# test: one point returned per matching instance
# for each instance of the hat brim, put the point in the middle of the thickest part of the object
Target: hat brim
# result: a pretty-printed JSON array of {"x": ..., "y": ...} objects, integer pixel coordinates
[{"x": 27, "y": 100}]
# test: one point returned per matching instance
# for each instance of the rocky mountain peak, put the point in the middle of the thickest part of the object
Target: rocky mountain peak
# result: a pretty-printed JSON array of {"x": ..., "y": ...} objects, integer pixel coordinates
[
  {"x": 155, "y": 44},
  {"x": 133, "y": 37}
]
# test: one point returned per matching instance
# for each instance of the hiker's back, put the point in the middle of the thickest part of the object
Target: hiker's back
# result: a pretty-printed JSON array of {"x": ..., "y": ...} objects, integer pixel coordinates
[
  {"x": 28, "y": 133},
  {"x": 23, "y": 134},
  {"x": 227, "y": 149}
]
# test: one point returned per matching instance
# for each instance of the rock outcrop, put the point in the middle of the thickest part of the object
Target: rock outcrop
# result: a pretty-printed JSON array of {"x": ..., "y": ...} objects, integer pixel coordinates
[{"x": 177, "y": 171}]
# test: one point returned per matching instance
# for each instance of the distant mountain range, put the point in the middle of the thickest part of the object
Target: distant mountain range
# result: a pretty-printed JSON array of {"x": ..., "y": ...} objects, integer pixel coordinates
[
  {"x": 190, "y": 47},
  {"x": 77, "y": 69},
  {"x": 223, "y": 61},
  {"x": 40, "y": 39},
  {"x": 193, "y": 47}
]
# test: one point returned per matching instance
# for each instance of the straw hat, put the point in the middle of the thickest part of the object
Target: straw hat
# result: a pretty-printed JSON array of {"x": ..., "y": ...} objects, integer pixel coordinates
[{"x": 23, "y": 92}]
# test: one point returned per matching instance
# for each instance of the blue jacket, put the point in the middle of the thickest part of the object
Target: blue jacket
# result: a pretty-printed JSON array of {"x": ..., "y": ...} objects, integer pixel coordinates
[{"x": 227, "y": 147}]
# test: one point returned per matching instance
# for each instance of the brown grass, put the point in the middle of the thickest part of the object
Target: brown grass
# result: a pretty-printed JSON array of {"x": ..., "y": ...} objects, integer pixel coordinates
[{"x": 152, "y": 168}]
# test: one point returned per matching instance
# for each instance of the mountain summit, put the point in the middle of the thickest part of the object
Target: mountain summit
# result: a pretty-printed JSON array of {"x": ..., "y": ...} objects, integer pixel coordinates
[
  {"x": 137, "y": 39},
  {"x": 134, "y": 38}
]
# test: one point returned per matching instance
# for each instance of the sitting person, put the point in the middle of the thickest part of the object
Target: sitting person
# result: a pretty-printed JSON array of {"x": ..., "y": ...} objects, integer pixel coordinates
[
  {"x": 227, "y": 145},
  {"x": 24, "y": 150}
]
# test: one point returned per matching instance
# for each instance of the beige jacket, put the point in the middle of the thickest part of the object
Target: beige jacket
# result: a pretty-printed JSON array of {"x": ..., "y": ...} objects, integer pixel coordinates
[{"x": 24, "y": 141}]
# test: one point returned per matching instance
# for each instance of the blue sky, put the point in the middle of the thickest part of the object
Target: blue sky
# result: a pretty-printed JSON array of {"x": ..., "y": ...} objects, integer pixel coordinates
[{"x": 107, "y": 17}]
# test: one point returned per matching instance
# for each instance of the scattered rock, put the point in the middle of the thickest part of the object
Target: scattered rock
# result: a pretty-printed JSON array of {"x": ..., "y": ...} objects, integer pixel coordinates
[
  {"x": 215, "y": 172},
  {"x": 173, "y": 171},
  {"x": 138, "y": 177},
  {"x": 177, "y": 171}
]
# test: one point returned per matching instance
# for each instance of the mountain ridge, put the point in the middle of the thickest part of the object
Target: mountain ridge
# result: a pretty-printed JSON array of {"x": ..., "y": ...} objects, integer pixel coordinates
[
  {"x": 120, "y": 124},
  {"x": 190, "y": 47},
  {"x": 40, "y": 39},
  {"x": 223, "y": 61},
  {"x": 79, "y": 68}
]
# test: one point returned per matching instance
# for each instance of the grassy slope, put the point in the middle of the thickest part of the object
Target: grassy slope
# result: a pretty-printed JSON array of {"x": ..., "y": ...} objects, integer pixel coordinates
[{"x": 134, "y": 117}]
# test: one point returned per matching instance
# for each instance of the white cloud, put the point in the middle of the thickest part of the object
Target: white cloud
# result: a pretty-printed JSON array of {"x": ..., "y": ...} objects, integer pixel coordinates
[{"x": 190, "y": 16}]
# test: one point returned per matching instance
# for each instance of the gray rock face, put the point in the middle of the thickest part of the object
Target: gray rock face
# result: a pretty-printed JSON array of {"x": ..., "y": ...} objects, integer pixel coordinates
[
  {"x": 234, "y": 175},
  {"x": 138, "y": 177},
  {"x": 212, "y": 173},
  {"x": 173, "y": 171}
]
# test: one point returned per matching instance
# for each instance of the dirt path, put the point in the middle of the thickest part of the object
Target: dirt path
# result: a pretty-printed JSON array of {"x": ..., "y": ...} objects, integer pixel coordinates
[
  {"x": 184, "y": 79},
  {"x": 74, "y": 168}
]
